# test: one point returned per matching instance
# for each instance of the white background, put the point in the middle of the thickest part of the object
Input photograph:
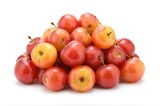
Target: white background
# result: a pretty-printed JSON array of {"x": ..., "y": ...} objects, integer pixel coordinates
[{"x": 138, "y": 20}]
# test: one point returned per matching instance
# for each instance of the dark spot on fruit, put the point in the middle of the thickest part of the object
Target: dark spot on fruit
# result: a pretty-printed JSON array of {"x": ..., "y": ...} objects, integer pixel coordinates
[
  {"x": 89, "y": 26},
  {"x": 41, "y": 53},
  {"x": 81, "y": 79},
  {"x": 109, "y": 33}
]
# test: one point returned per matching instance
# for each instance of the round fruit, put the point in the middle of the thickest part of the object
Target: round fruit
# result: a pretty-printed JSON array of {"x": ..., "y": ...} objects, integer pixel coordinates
[
  {"x": 25, "y": 71},
  {"x": 132, "y": 70},
  {"x": 103, "y": 37},
  {"x": 80, "y": 34},
  {"x": 55, "y": 78},
  {"x": 94, "y": 57},
  {"x": 44, "y": 55},
  {"x": 127, "y": 45},
  {"x": 68, "y": 22},
  {"x": 59, "y": 38},
  {"x": 81, "y": 78},
  {"x": 108, "y": 76},
  {"x": 88, "y": 21},
  {"x": 115, "y": 55},
  {"x": 73, "y": 54}
]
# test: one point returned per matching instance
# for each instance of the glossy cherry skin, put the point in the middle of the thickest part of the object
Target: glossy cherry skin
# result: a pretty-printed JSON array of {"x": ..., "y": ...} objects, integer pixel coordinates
[
  {"x": 108, "y": 76},
  {"x": 59, "y": 38},
  {"x": 80, "y": 34},
  {"x": 115, "y": 55},
  {"x": 25, "y": 71},
  {"x": 55, "y": 78},
  {"x": 33, "y": 43},
  {"x": 73, "y": 54},
  {"x": 89, "y": 22},
  {"x": 103, "y": 37},
  {"x": 68, "y": 22},
  {"x": 40, "y": 74},
  {"x": 94, "y": 57},
  {"x": 127, "y": 45},
  {"x": 132, "y": 70}
]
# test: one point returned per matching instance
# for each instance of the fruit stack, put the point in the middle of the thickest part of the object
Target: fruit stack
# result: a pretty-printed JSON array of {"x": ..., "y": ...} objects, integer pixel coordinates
[{"x": 79, "y": 53}]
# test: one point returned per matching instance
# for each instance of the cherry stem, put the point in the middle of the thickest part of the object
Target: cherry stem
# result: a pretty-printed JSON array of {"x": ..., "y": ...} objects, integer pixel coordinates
[
  {"x": 29, "y": 37},
  {"x": 102, "y": 60},
  {"x": 52, "y": 23},
  {"x": 128, "y": 56},
  {"x": 100, "y": 24}
]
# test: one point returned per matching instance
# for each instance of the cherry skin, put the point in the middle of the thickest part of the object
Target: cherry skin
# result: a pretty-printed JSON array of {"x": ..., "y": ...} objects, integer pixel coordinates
[
  {"x": 127, "y": 45},
  {"x": 132, "y": 70},
  {"x": 33, "y": 43},
  {"x": 55, "y": 78},
  {"x": 68, "y": 22},
  {"x": 89, "y": 22},
  {"x": 73, "y": 54},
  {"x": 115, "y": 55},
  {"x": 25, "y": 71},
  {"x": 80, "y": 34},
  {"x": 108, "y": 76},
  {"x": 40, "y": 74},
  {"x": 103, "y": 37},
  {"x": 94, "y": 57},
  {"x": 59, "y": 38}
]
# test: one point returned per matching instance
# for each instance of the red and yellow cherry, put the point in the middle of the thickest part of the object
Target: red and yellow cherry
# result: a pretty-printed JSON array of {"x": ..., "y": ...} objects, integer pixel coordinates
[
  {"x": 44, "y": 55},
  {"x": 103, "y": 37},
  {"x": 127, "y": 45},
  {"x": 81, "y": 78},
  {"x": 132, "y": 70},
  {"x": 89, "y": 22},
  {"x": 108, "y": 76},
  {"x": 73, "y": 54},
  {"x": 55, "y": 78},
  {"x": 59, "y": 38},
  {"x": 80, "y": 34},
  {"x": 47, "y": 32},
  {"x": 94, "y": 57},
  {"x": 115, "y": 55},
  {"x": 25, "y": 71},
  {"x": 33, "y": 43},
  {"x": 68, "y": 22}
]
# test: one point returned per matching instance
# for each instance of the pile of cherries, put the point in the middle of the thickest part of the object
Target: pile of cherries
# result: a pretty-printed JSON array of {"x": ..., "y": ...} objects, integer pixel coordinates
[{"x": 79, "y": 53}]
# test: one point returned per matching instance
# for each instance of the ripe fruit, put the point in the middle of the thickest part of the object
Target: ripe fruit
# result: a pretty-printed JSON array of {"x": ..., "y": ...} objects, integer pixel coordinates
[
  {"x": 115, "y": 55},
  {"x": 88, "y": 21},
  {"x": 73, "y": 54},
  {"x": 94, "y": 57},
  {"x": 44, "y": 55},
  {"x": 59, "y": 38},
  {"x": 25, "y": 71},
  {"x": 127, "y": 45},
  {"x": 80, "y": 34},
  {"x": 132, "y": 70},
  {"x": 68, "y": 22},
  {"x": 47, "y": 33},
  {"x": 107, "y": 76},
  {"x": 103, "y": 37},
  {"x": 55, "y": 78},
  {"x": 79, "y": 49},
  {"x": 33, "y": 43},
  {"x": 81, "y": 78}
]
